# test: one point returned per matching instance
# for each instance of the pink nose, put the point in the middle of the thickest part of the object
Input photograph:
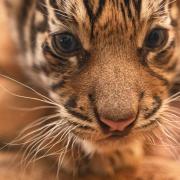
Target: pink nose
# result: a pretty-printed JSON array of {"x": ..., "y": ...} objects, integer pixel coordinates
[{"x": 120, "y": 125}]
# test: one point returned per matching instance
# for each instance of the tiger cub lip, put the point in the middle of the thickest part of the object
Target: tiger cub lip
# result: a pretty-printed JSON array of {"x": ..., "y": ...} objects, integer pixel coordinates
[{"x": 117, "y": 135}]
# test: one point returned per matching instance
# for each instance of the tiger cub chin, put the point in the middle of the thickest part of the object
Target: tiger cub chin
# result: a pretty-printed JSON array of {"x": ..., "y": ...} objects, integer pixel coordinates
[{"x": 107, "y": 68}]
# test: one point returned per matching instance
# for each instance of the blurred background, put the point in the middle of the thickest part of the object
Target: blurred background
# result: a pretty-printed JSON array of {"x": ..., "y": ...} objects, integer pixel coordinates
[{"x": 12, "y": 117}]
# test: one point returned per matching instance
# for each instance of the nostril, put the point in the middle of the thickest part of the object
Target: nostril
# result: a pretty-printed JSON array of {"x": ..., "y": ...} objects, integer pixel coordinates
[{"x": 118, "y": 125}]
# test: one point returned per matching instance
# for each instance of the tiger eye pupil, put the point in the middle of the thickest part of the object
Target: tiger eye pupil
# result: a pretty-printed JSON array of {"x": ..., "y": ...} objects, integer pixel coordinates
[
  {"x": 67, "y": 42},
  {"x": 156, "y": 38}
]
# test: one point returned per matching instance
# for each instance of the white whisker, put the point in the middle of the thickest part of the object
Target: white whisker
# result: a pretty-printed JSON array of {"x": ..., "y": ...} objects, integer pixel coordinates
[
  {"x": 26, "y": 97},
  {"x": 27, "y": 87},
  {"x": 29, "y": 109}
]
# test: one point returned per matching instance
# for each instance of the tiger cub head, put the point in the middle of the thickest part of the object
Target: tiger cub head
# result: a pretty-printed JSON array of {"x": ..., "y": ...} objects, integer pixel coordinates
[{"x": 107, "y": 64}]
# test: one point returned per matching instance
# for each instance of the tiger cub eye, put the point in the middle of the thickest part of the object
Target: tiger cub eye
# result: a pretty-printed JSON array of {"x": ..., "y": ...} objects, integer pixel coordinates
[
  {"x": 157, "y": 38},
  {"x": 65, "y": 43}
]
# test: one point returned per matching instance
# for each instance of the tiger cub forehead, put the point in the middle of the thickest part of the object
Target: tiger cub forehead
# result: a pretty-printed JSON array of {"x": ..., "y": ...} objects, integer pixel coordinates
[
  {"x": 94, "y": 8},
  {"x": 106, "y": 18},
  {"x": 125, "y": 15}
]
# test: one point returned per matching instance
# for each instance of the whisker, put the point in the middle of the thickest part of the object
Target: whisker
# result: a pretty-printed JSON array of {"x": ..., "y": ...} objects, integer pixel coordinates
[
  {"x": 26, "y": 97},
  {"x": 170, "y": 111},
  {"x": 170, "y": 117},
  {"x": 48, "y": 155},
  {"x": 174, "y": 95},
  {"x": 21, "y": 137},
  {"x": 63, "y": 136},
  {"x": 167, "y": 133},
  {"x": 62, "y": 156},
  {"x": 32, "y": 146},
  {"x": 35, "y": 148},
  {"x": 27, "y": 87},
  {"x": 53, "y": 131},
  {"x": 32, "y": 108},
  {"x": 39, "y": 122},
  {"x": 170, "y": 100},
  {"x": 170, "y": 124}
]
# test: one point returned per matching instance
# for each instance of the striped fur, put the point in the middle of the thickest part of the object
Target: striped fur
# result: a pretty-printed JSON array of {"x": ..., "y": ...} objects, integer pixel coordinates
[{"x": 113, "y": 74}]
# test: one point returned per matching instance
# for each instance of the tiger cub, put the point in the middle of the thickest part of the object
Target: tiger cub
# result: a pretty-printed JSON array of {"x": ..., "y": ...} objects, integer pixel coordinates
[{"x": 107, "y": 68}]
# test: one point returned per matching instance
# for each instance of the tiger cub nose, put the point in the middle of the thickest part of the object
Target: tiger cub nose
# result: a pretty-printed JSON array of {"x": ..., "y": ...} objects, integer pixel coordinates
[{"x": 118, "y": 125}]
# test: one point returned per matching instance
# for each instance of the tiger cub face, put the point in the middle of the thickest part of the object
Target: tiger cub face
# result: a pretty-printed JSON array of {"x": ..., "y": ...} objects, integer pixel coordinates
[{"x": 108, "y": 64}]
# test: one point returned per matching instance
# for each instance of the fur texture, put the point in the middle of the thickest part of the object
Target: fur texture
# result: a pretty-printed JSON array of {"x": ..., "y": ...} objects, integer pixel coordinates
[{"x": 113, "y": 75}]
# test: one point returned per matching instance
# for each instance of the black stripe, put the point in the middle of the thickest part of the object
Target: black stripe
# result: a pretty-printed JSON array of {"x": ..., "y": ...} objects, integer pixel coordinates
[
  {"x": 176, "y": 87},
  {"x": 161, "y": 9},
  {"x": 57, "y": 61},
  {"x": 41, "y": 27},
  {"x": 94, "y": 17},
  {"x": 154, "y": 74},
  {"x": 90, "y": 14},
  {"x": 157, "y": 104},
  {"x": 127, "y": 4},
  {"x": 82, "y": 127},
  {"x": 58, "y": 85},
  {"x": 134, "y": 25},
  {"x": 83, "y": 59},
  {"x": 79, "y": 115},
  {"x": 41, "y": 7},
  {"x": 164, "y": 56},
  {"x": 33, "y": 34},
  {"x": 53, "y": 3},
  {"x": 124, "y": 16},
  {"x": 138, "y": 6},
  {"x": 72, "y": 102},
  {"x": 22, "y": 18},
  {"x": 148, "y": 124},
  {"x": 143, "y": 54},
  {"x": 100, "y": 9}
]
